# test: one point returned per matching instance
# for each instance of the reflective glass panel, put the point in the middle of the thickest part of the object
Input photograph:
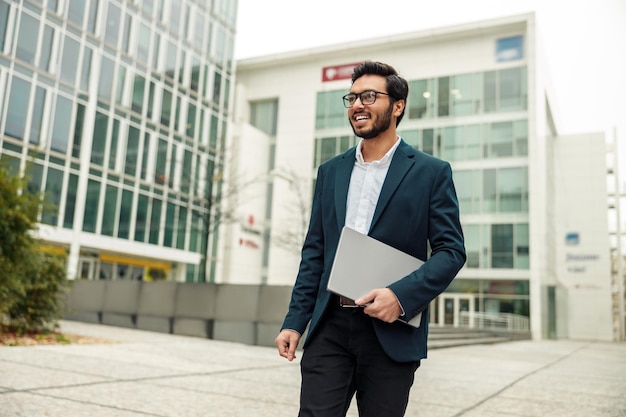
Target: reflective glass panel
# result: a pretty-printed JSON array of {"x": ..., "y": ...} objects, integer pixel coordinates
[
  {"x": 126, "y": 206},
  {"x": 112, "y": 28},
  {"x": 92, "y": 200},
  {"x": 61, "y": 128},
  {"x": 37, "y": 117},
  {"x": 99, "y": 139},
  {"x": 46, "y": 48},
  {"x": 69, "y": 60},
  {"x": 4, "y": 20},
  {"x": 17, "y": 110},
  {"x": 132, "y": 151},
  {"x": 27, "y": 39},
  {"x": 54, "y": 187},
  {"x": 70, "y": 202},
  {"x": 141, "y": 218},
  {"x": 109, "y": 210}
]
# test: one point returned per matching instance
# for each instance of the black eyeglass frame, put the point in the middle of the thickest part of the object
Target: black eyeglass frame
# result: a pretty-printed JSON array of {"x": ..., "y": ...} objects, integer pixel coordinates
[{"x": 346, "y": 100}]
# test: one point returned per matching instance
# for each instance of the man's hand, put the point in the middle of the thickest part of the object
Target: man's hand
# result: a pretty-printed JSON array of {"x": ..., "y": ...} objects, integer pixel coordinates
[
  {"x": 382, "y": 304},
  {"x": 287, "y": 342}
]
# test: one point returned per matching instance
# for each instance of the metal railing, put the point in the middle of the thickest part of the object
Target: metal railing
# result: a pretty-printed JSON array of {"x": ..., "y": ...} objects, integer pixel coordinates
[{"x": 494, "y": 321}]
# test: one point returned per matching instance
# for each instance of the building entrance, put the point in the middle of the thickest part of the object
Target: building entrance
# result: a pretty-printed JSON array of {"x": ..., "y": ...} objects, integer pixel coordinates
[{"x": 450, "y": 306}]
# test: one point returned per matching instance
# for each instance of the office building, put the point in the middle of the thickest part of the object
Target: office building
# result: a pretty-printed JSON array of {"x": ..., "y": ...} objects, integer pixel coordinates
[
  {"x": 118, "y": 111},
  {"x": 533, "y": 202}
]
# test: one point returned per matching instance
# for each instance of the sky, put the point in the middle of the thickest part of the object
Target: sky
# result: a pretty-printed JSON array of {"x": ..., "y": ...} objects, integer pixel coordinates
[{"x": 584, "y": 42}]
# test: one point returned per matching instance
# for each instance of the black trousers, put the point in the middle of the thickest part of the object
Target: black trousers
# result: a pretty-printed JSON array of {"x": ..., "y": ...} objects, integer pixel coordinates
[{"x": 345, "y": 358}]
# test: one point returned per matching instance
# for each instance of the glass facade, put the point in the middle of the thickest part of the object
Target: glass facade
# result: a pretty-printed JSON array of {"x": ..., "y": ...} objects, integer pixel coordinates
[
  {"x": 123, "y": 108},
  {"x": 479, "y": 123}
]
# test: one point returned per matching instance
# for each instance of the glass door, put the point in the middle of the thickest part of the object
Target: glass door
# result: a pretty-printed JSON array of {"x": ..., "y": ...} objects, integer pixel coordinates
[{"x": 450, "y": 308}]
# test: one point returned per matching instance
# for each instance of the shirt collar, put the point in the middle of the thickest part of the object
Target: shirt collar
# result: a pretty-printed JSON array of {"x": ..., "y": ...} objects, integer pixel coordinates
[{"x": 386, "y": 159}]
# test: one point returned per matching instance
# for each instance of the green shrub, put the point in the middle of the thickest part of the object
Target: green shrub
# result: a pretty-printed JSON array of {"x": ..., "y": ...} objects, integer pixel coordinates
[{"x": 30, "y": 281}]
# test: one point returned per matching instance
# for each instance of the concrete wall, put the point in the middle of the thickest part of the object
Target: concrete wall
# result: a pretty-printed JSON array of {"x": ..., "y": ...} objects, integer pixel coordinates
[{"x": 250, "y": 314}]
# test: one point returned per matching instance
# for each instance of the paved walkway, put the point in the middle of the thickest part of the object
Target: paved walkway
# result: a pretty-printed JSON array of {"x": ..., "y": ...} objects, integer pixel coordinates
[{"x": 153, "y": 374}]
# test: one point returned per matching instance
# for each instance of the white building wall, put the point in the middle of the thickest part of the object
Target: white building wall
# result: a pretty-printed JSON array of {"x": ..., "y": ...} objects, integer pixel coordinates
[{"x": 582, "y": 262}]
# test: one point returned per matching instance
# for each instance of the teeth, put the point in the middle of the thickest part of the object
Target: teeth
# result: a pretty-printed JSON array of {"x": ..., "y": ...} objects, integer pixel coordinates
[{"x": 360, "y": 118}]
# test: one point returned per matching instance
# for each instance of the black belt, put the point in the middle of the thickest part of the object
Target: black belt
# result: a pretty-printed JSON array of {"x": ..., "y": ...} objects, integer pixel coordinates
[{"x": 346, "y": 302}]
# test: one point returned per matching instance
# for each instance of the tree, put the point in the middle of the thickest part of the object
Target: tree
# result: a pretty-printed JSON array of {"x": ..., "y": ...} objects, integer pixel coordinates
[
  {"x": 31, "y": 280},
  {"x": 291, "y": 230}
]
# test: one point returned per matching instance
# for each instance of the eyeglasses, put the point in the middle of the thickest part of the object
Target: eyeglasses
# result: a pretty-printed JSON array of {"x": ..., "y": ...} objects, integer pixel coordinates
[{"x": 367, "y": 97}]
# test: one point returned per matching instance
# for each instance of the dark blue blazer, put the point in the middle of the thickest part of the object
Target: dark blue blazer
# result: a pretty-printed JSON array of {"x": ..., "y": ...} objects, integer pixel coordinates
[{"x": 417, "y": 206}]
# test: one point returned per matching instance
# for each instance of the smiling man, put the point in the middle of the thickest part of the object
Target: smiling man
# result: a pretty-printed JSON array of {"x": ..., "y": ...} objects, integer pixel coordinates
[{"x": 402, "y": 197}]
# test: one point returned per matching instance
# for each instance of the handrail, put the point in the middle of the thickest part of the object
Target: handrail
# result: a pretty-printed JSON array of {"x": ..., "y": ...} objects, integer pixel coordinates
[{"x": 499, "y": 321}]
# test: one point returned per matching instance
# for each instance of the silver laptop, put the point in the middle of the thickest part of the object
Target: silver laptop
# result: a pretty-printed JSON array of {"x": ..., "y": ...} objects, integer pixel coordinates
[{"x": 363, "y": 263}]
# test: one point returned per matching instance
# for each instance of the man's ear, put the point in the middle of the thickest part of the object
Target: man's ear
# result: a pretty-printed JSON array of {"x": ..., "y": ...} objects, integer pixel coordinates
[{"x": 398, "y": 107}]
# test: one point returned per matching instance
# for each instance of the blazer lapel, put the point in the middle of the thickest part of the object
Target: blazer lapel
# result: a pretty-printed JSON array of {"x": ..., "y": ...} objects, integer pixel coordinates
[
  {"x": 403, "y": 159},
  {"x": 342, "y": 182}
]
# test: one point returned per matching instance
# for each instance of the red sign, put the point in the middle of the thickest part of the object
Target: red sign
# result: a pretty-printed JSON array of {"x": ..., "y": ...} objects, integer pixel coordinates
[{"x": 338, "y": 72}]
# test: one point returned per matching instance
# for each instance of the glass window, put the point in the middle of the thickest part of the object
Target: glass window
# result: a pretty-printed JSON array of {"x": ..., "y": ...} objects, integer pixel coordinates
[
  {"x": 452, "y": 146},
  {"x": 489, "y": 191},
  {"x": 465, "y": 93},
  {"x": 46, "y": 48},
  {"x": 182, "y": 227},
  {"x": 199, "y": 28},
  {"x": 112, "y": 27},
  {"x": 126, "y": 207},
  {"x": 61, "y": 128},
  {"x": 195, "y": 74},
  {"x": 141, "y": 218},
  {"x": 86, "y": 69},
  {"x": 191, "y": 121},
  {"x": 512, "y": 89},
  {"x": 113, "y": 145},
  {"x": 330, "y": 109},
  {"x": 126, "y": 36},
  {"x": 150, "y": 105},
  {"x": 78, "y": 130},
  {"x": 173, "y": 165},
  {"x": 421, "y": 99},
  {"x": 468, "y": 186},
  {"x": 145, "y": 157},
  {"x": 105, "y": 87},
  {"x": 501, "y": 139},
  {"x": 264, "y": 115},
  {"x": 54, "y": 187},
  {"x": 472, "y": 245},
  {"x": 27, "y": 39},
  {"x": 175, "y": 13},
  {"x": 155, "y": 50},
  {"x": 109, "y": 210},
  {"x": 37, "y": 118},
  {"x": 428, "y": 141},
  {"x": 70, "y": 202},
  {"x": 92, "y": 200},
  {"x": 213, "y": 131},
  {"x": 520, "y": 137},
  {"x": 502, "y": 246},
  {"x": 170, "y": 219},
  {"x": 161, "y": 163},
  {"x": 522, "y": 252},
  {"x": 217, "y": 87},
  {"x": 17, "y": 110},
  {"x": 512, "y": 189},
  {"x": 139, "y": 88},
  {"x": 121, "y": 80},
  {"x": 490, "y": 91},
  {"x": 4, "y": 21},
  {"x": 186, "y": 172},
  {"x": 92, "y": 16},
  {"x": 132, "y": 151},
  {"x": 166, "y": 107},
  {"x": 170, "y": 60},
  {"x": 69, "y": 60},
  {"x": 443, "y": 96},
  {"x": 99, "y": 139},
  {"x": 143, "y": 44},
  {"x": 155, "y": 221},
  {"x": 76, "y": 11}
]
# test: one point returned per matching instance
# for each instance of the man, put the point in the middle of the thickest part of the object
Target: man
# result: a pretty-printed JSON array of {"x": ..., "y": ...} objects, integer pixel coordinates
[{"x": 400, "y": 196}]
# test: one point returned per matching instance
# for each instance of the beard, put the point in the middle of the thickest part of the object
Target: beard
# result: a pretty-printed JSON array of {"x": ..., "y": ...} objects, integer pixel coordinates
[{"x": 381, "y": 124}]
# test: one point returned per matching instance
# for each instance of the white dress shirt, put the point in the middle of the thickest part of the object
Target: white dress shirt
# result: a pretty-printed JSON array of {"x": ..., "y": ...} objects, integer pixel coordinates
[{"x": 365, "y": 184}]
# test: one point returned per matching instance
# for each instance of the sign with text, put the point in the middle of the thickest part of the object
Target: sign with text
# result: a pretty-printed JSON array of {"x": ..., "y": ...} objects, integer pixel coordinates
[{"x": 338, "y": 72}]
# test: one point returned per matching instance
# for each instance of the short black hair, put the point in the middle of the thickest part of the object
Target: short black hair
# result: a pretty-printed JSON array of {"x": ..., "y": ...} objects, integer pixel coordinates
[{"x": 397, "y": 87}]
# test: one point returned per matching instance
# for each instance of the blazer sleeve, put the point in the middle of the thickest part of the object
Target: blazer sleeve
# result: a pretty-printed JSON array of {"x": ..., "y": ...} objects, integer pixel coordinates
[
  {"x": 445, "y": 236},
  {"x": 306, "y": 287}
]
